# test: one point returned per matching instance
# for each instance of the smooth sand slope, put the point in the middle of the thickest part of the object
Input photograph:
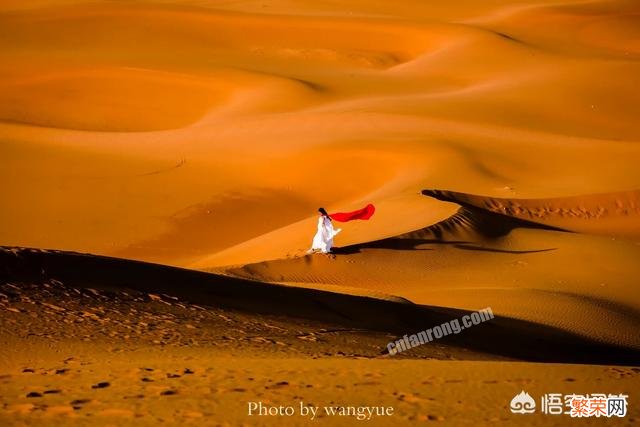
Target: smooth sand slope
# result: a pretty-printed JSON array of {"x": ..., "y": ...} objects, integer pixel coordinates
[
  {"x": 169, "y": 131},
  {"x": 508, "y": 254}
]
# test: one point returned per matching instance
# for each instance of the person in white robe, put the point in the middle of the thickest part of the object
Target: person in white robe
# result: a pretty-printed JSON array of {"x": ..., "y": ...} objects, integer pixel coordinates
[{"x": 323, "y": 240}]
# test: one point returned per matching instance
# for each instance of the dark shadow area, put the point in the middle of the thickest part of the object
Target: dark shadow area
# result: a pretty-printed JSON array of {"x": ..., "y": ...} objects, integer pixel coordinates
[
  {"x": 484, "y": 222},
  {"x": 501, "y": 336},
  {"x": 502, "y": 251},
  {"x": 508, "y": 37},
  {"x": 468, "y": 220},
  {"x": 395, "y": 243}
]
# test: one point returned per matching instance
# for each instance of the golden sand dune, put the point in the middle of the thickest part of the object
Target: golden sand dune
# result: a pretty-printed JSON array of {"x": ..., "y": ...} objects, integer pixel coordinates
[
  {"x": 116, "y": 281},
  {"x": 613, "y": 214},
  {"x": 583, "y": 25},
  {"x": 509, "y": 254},
  {"x": 303, "y": 105},
  {"x": 119, "y": 99},
  {"x": 114, "y": 341},
  {"x": 205, "y": 134}
]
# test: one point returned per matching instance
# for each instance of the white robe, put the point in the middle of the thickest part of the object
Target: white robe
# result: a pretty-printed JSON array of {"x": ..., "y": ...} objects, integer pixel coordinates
[{"x": 323, "y": 240}]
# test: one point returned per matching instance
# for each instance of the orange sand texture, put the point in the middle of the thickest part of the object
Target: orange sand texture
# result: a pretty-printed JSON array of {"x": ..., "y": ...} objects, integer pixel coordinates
[{"x": 499, "y": 141}]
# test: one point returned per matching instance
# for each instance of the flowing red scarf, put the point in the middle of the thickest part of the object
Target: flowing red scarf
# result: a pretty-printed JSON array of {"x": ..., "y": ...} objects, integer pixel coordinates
[{"x": 364, "y": 213}]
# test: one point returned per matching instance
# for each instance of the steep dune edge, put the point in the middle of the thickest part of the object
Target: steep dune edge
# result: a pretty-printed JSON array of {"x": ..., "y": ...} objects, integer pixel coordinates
[
  {"x": 495, "y": 252},
  {"x": 502, "y": 336},
  {"x": 615, "y": 214},
  {"x": 94, "y": 102}
]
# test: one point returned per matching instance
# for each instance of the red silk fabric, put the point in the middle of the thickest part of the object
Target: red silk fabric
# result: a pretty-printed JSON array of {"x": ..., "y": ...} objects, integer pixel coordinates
[{"x": 364, "y": 213}]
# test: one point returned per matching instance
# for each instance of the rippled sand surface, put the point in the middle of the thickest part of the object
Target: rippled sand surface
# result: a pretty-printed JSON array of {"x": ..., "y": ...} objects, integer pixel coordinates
[{"x": 497, "y": 139}]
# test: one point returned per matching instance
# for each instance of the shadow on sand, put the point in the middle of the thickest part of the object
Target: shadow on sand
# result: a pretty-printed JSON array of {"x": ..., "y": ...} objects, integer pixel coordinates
[
  {"x": 501, "y": 336},
  {"x": 469, "y": 220}
]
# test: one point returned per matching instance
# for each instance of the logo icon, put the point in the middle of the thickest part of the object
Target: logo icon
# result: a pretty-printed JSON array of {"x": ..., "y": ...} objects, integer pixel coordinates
[{"x": 522, "y": 403}]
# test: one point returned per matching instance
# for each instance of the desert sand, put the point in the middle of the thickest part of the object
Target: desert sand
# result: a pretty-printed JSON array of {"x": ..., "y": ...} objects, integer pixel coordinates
[{"x": 162, "y": 163}]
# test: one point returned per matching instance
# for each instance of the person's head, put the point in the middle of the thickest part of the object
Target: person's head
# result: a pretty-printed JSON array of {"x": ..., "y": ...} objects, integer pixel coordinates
[{"x": 323, "y": 212}]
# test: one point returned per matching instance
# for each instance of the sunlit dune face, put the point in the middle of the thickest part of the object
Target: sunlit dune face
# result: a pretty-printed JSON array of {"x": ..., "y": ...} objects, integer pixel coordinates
[
  {"x": 589, "y": 29},
  {"x": 499, "y": 141},
  {"x": 125, "y": 122},
  {"x": 108, "y": 100},
  {"x": 155, "y": 68},
  {"x": 174, "y": 36}
]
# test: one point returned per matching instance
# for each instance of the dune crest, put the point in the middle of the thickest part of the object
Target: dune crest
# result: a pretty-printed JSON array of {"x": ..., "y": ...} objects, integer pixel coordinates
[
  {"x": 536, "y": 259},
  {"x": 616, "y": 214},
  {"x": 383, "y": 100},
  {"x": 174, "y": 154}
]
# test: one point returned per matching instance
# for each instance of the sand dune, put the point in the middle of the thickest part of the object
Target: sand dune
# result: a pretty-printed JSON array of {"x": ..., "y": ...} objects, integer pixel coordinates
[
  {"x": 162, "y": 366},
  {"x": 613, "y": 214},
  {"x": 539, "y": 271},
  {"x": 112, "y": 99},
  {"x": 107, "y": 278},
  {"x": 386, "y": 100},
  {"x": 203, "y": 134}
]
